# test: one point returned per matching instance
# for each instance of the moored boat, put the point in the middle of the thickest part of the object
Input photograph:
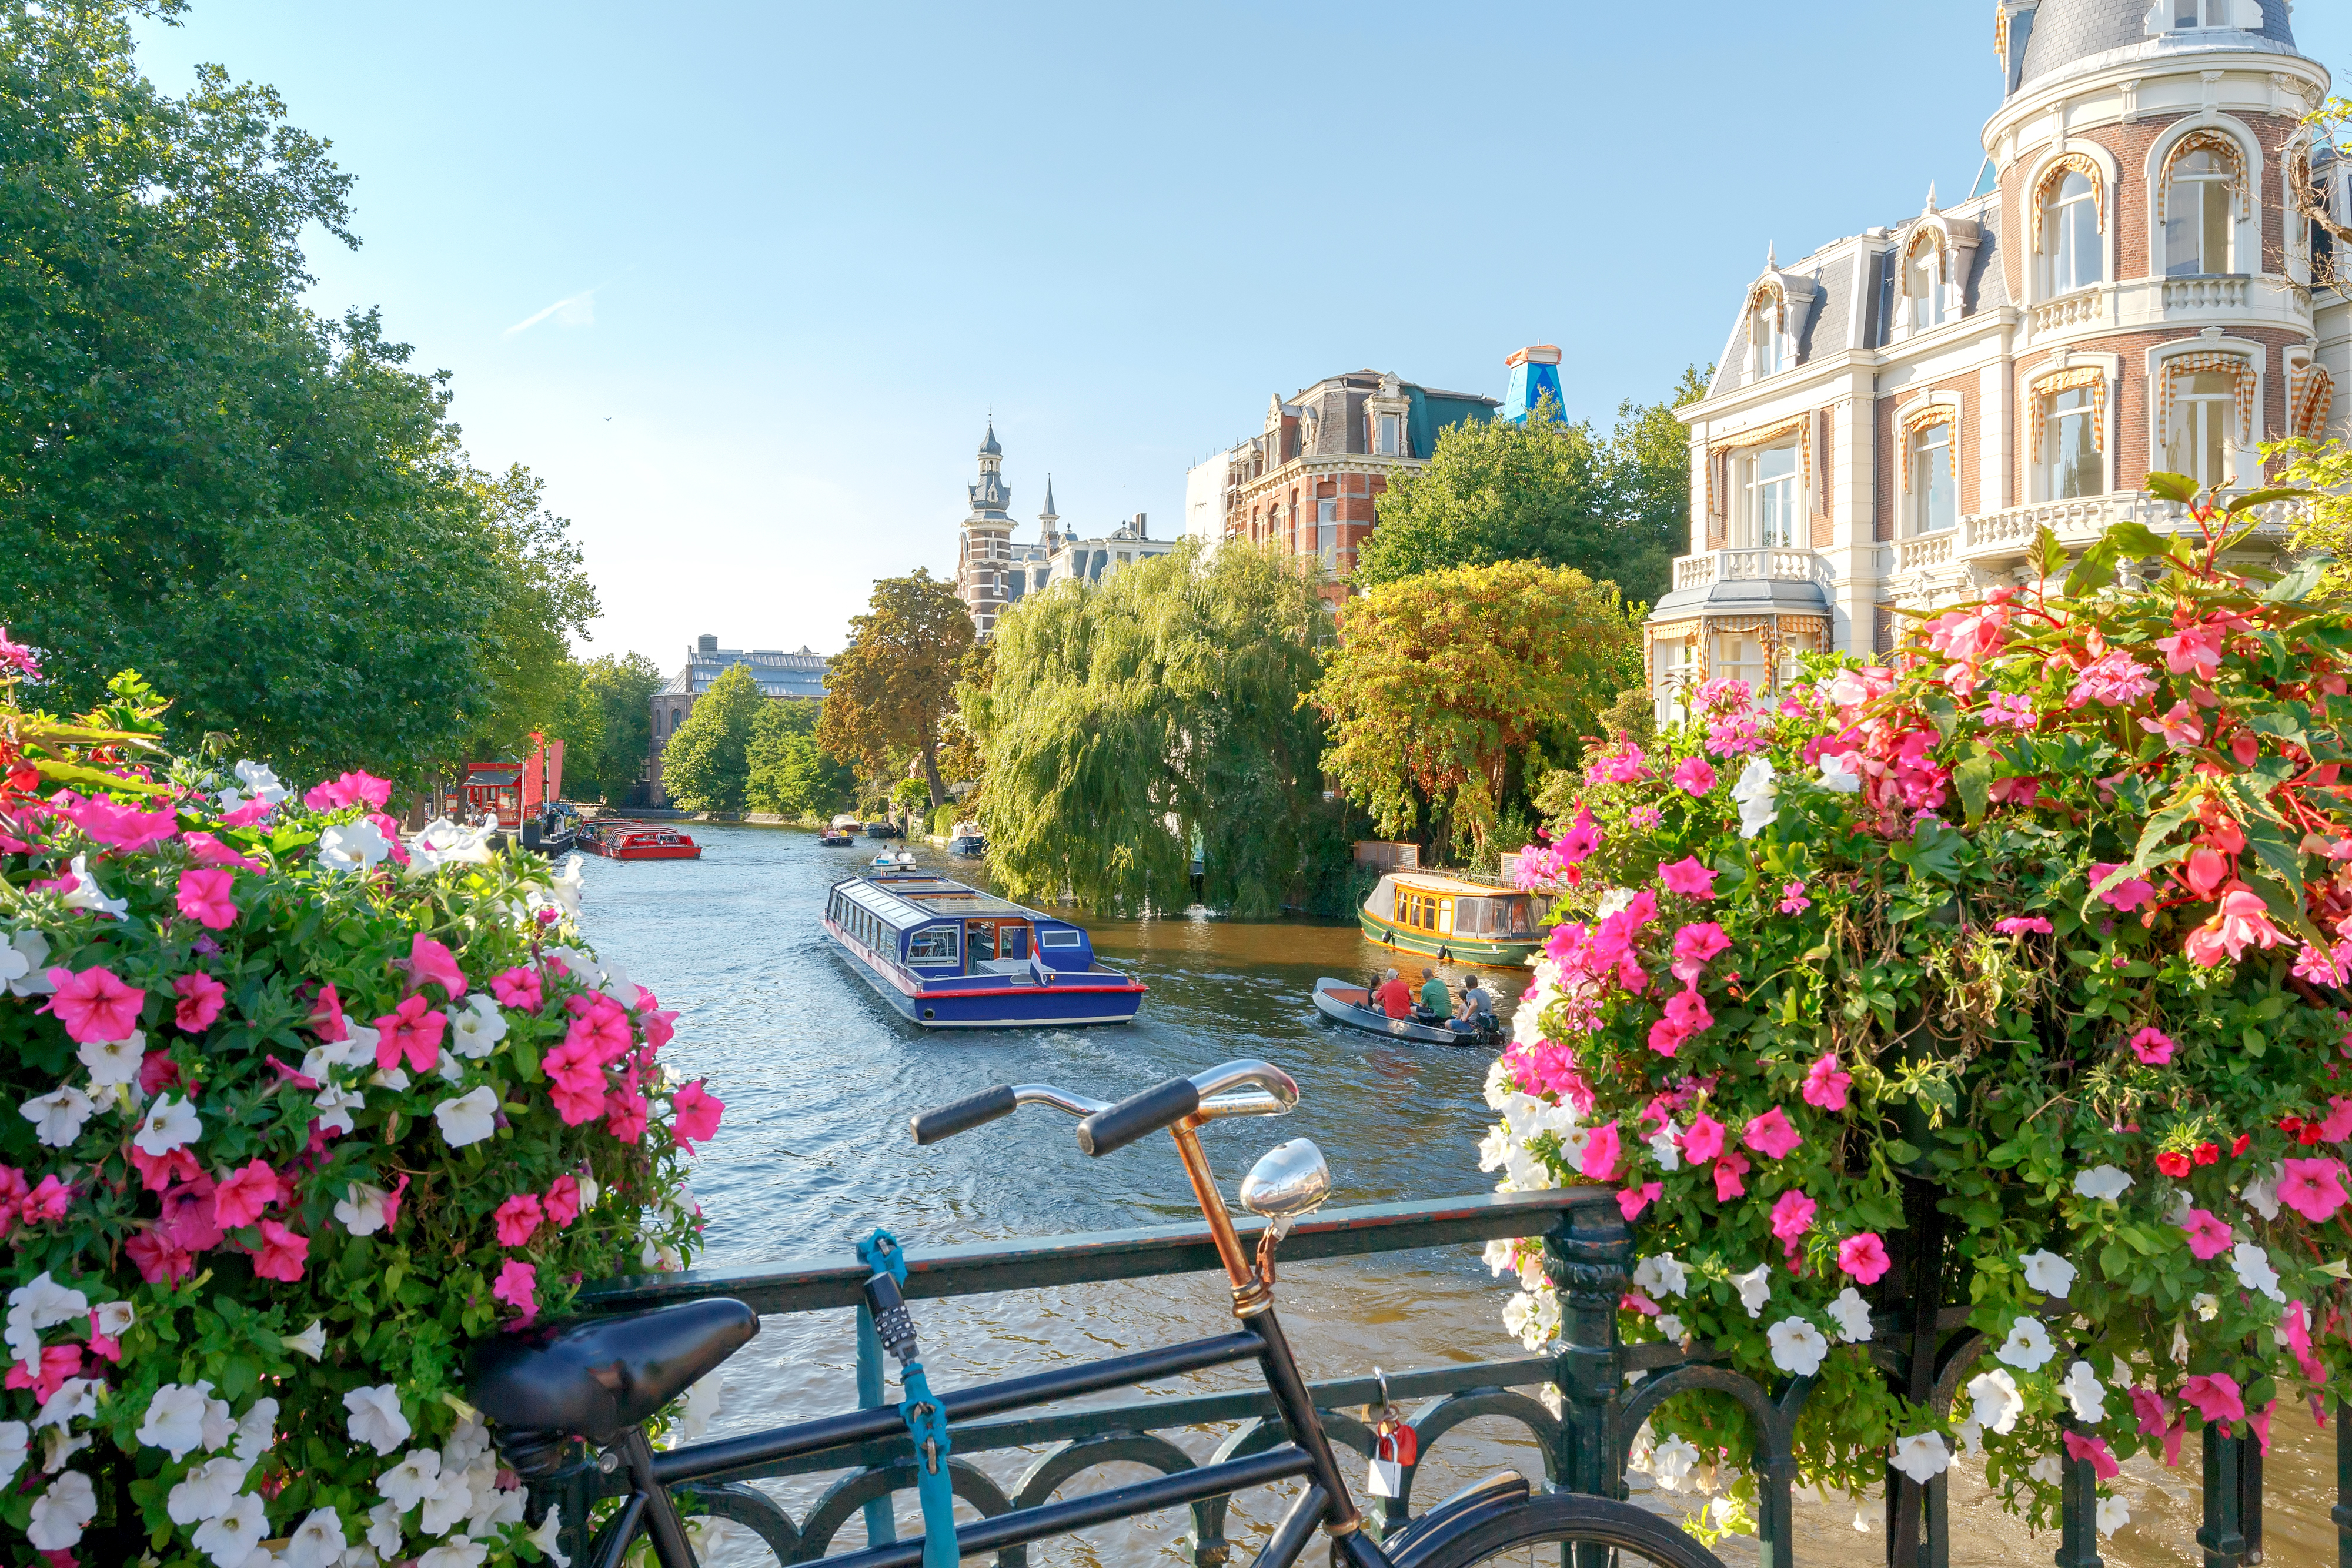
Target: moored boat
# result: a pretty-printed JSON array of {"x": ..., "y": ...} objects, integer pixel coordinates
[
  {"x": 1452, "y": 916},
  {"x": 1353, "y": 1004},
  {"x": 626, "y": 840},
  {"x": 951, "y": 957},
  {"x": 966, "y": 841}
]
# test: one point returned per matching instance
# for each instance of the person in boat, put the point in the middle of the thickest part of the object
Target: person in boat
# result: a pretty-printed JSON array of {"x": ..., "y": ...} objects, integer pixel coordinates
[
  {"x": 1436, "y": 1001},
  {"x": 1394, "y": 996},
  {"x": 1475, "y": 994},
  {"x": 1465, "y": 1012}
]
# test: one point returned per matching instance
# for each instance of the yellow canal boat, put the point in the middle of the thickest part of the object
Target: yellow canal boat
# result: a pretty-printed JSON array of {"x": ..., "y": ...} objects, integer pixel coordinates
[{"x": 1450, "y": 916}]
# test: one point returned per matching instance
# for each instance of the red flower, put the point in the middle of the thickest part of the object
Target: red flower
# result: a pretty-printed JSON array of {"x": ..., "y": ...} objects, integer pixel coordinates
[
  {"x": 158, "y": 1172},
  {"x": 413, "y": 1029},
  {"x": 698, "y": 1111},
  {"x": 518, "y": 1217},
  {"x": 2173, "y": 1164},
  {"x": 283, "y": 1253},
  {"x": 2238, "y": 1144},
  {"x": 2206, "y": 1153},
  {"x": 201, "y": 998},
  {"x": 159, "y": 1258}
]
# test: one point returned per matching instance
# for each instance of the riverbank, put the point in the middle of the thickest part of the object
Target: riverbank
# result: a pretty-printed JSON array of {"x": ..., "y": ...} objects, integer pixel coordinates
[{"x": 819, "y": 1078}]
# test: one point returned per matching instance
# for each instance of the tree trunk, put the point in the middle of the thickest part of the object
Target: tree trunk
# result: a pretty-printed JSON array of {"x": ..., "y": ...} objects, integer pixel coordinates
[{"x": 932, "y": 774}]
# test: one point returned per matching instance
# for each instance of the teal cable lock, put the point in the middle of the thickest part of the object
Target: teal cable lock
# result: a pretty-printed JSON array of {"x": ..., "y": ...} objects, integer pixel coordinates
[{"x": 927, "y": 1424}]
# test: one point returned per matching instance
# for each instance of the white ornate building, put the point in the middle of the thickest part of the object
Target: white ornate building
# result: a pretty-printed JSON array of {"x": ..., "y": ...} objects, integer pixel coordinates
[
  {"x": 994, "y": 573},
  {"x": 2128, "y": 289}
]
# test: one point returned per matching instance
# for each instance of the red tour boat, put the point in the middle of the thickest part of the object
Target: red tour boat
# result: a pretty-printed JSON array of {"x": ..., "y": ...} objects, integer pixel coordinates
[{"x": 638, "y": 841}]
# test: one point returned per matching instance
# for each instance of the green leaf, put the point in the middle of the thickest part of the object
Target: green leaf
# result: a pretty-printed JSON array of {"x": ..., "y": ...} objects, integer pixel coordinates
[
  {"x": 1973, "y": 779},
  {"x": 2138, "y": 540},
  {"x": 74, "y": 773},
  {"x": 2297, "y": 584},
  {"x": 2178, "y": 487},
  {"x": 2048, "y": 552},
  {"x": 2253, "y": 498},
  {"x": 2286, "y": 909},
  {"x": 2095, "y": 571},
  {"x": 2160, "y": 828}
]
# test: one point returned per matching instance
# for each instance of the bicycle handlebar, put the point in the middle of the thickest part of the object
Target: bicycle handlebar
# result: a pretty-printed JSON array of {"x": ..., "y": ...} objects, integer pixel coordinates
[{"x": 1245, "y": 1088}]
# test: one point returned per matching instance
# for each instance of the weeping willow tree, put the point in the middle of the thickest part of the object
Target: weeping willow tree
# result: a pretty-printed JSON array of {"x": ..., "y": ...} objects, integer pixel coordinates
[{"x": 1128, "y": 722}]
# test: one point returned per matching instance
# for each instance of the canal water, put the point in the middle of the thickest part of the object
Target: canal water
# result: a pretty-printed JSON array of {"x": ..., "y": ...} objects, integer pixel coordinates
[{"x": 819, "y": 1077}]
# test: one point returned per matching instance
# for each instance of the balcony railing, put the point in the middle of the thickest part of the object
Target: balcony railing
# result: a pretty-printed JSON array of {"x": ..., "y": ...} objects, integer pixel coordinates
[
  {"x": 1770, "y": 564},
  {"x": 2000, "y": 536},
  {"x": 2146, "y": 303},
  {"x": 2226, "y": 292}
]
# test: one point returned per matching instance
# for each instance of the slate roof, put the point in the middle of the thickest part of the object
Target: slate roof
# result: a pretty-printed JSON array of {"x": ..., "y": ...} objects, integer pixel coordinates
[{"x": 2067, "y": 31}]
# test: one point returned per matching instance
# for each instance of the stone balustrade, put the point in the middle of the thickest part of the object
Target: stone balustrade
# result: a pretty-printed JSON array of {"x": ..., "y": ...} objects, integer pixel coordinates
[{"x": 1706, "y": 569}]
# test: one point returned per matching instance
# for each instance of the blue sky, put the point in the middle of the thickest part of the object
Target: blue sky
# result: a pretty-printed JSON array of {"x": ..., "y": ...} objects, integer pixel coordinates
[{"x": 743, "y": 282}]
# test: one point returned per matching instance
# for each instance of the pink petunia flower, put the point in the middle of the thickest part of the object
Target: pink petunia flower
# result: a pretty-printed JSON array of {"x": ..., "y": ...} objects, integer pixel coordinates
[
  {"x": 1583, "y": 837},
  {"x": 696, "y": 1112},
  {"x": 1601, "y": 1151},
  {"x": 283, "y": 1253},
  {"x": 2153, "y": 1046},
  {"x": 1693, "y": 775},
  {"x": 2152, "y": 1410},
  {"x": 429, "y": 962},
  {"x": 1793, "y": 900},
  {"x": 2313, "y": 1188},
  {"x": 2215, "y": 1397},
  {"x": 1770, "y": 1135},
  {"x": 59, "y": 1362},
  {"x": 1696, "y": 946},
  {"x": 517, "y": 1287},
  {"x": 518, "y": 988},
  {"x": 602, "y": 1025},
  {"x": 412, "y": 1030},
  {"x": 2207, "y": 1236},
  {"x": 1702, "y": 1139},
  {"x": 2021, "y": 925},
  {"x": 158, "y": 1259},
  {"x": 518, "y": 1217},
  {"x": 1633, "y": 1200},
  {"x": 2297, "y": 1324},
  {"x": 624, "y": 1115},
  {"x": 563, "y": 1201},
  {"x": 1689, "y": 877},
  {"x": 201, "y": 999},
  {"x": 241, "y": 1196},
  {"x": 123, "y": 827},
  {"x": 209, "y": 850},
  {"x": 1731, "y": 1173},
  {"x": 2094, "y": 1449},
  {"x": 1792, "y": 1215},
  {"x": 353, "y": 789},
  {"x": 93, "y": 1005},
  {"x": 205, "y": 897},
  {"x": 1864, "y": 1257},
  {"x": 1825, "y": 1086}
]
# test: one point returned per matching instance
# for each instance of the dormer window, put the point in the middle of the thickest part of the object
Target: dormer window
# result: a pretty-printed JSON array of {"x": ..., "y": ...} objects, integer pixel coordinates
[
  {"x": 1388, "y": 436},
  {"x": 1766, "y": 340}
]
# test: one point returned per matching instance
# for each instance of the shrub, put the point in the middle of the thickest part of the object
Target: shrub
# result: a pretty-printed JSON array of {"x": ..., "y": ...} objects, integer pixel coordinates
[
  {"x": 301, "y": 1110},
  {"x": 2042, "y": 922}
]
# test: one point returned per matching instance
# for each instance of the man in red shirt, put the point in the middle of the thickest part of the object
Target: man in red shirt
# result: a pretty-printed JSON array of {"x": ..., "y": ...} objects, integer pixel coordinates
[{"x": 1394, "y": 997}]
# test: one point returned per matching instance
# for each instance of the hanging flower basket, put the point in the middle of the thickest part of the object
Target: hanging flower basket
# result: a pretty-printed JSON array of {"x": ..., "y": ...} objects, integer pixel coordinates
[
  {"x": 293, "y": 1111},
  {"x": 2048, "y": 910}
]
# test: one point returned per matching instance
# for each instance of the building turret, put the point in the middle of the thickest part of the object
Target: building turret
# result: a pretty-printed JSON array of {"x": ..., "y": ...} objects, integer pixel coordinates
[{"x": 987, "y": 541}]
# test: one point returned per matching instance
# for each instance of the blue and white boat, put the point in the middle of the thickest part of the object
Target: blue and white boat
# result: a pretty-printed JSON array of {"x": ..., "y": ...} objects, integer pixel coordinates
[{"x": 952, "y": 957}]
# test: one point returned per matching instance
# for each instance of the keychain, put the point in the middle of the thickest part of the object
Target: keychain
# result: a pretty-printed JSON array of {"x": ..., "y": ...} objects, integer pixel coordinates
[{"x": 1394, "y": 1446}]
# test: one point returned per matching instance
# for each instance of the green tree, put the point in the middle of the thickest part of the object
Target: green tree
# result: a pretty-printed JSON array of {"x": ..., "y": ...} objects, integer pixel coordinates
[
  {"x": 790, "y": 775},
  {"x": 706, "y": 767},
  {"x": 1125, "y": 724},
  {"x": 267, "y": 512},
  {"x": 1544, "y": 491},
  {"x": 2324, "y": 522},
  {"x": 539, "y": 595},
  {"x": 893, "y": 686},
  {"x": 618, "y": 688},
  {"x": 1451, "y": 687}
]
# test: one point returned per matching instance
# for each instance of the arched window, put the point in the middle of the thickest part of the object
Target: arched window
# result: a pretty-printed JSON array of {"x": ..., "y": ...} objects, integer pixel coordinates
[
  {"x": 2203, "y": 187},
  {"x": 1924, "y": 285},
  {"x": 2071, "y": 256},
  {"x": 1766, "y": 340},
  {"x": 1934, "y": 502}
]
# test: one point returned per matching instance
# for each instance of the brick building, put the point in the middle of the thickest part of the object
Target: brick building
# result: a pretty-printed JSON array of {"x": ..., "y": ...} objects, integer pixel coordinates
[
  {"x": 1309, "y": 483},
  {"x": 2126, "y": 289},
  {"x": 779, "y": 675}
]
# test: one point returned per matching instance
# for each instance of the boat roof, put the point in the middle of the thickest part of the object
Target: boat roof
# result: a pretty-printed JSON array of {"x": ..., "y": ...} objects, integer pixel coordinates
[
  {"x": 913, "y": 898},
  {"x": 1454, "y": 886}
]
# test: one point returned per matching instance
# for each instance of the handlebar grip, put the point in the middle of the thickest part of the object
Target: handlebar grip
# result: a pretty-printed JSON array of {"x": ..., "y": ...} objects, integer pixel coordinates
[
  {"x": 1116, "y": 1126},
  {"x": 945, "y": 1122}
]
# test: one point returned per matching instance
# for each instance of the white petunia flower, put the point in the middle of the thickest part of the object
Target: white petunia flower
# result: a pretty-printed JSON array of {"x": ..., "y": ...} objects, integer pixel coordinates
[
  {"x": 1998, "y": 1402},
  {"x": 476, "y": 1026},
  {"x": 58, "y": 1116},
  {"x": 46, "y": 1303},
  {"x": 61, "y": 1513},
  {"x": 1661, "y": 1276},
  {"x": 30, "y": 949},
  {"x": 469, "y": 1118},
  {"x": 701, "y": 1408},
  {"x": 1922, "y": 1456},
  {"x": 317, "y": 1542},
  {"x": 1666, "y": 1151},
  {"x": 75, "y": 1399},
  {"x": 444, "y": 842},
  {"x": 384, "y": 1532},
  {"x": 15, "y": 1443},
  {"x": 546, "y": 1536},
  {"x": 352, "y": 846},
  {"x": 1671, "y": 1462},
  {"x": 2086, "y": 1392},
  {"x": 1758, "y": 794},
  {"x": 375, "y": 1417},
  {"x": 446, "y": 1505},
  {"x": 2049, "y": 1469},
  {"x": 2253, "y": 1269},
  {"x": 1671, "y": 1327},
  {"x": 206, "y": 1492},
  {"x": 86, "y": 894},
  {"x": 2028, "y": 1346},
  {"x": 2113, "y": 1515},
  {"x": 229, "y": 1536},
  {"x": 256, "y": 1434},
  {"x": 1971, "y": 1436},
  {"x": 458, "y": 1551},
  {"x": 260, "y": 782},
  {"x": 171, "y": 1124},
  {"x": 114, "y": 1060},
  {"x": 2208, "y": 1306},
  {"x": 1755, "y": 1288},
  {"x": 115, "y": 1318},
  {"x": 1501, "y": 1256},
  {"x": 1796, "y": 1346},
  {"x": 1837, "y": 776},
  {"x": 1494, "y": 1147},
  {"x": 2048, "y": 1273},
  {"x": 1851, "y": 1315},
  {"x": 311, "y": 1342},
  {"x": 2105, "y": 1183},
  {"x": 411, "y": 1480},
  {"x": 335, "y": 1106},
  {"x": 175, "y": 1421},
  {"x": 2262, "y": 1191}
]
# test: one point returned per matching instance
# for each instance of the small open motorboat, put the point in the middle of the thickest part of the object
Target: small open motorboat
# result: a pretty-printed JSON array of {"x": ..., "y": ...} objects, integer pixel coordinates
[
  {"x": 903, "y": 860},
  {"x": 840, "y": 833},
  {"x": 884, "y": 829},
  {"x": 966, "y": 841},
  {"x": 1353, "y": 1004},
  {"x": 624, "y": 841}
]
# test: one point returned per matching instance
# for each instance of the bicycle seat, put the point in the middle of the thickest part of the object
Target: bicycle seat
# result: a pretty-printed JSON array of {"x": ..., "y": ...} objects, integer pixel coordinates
[{"x": 594, "y": 1379}]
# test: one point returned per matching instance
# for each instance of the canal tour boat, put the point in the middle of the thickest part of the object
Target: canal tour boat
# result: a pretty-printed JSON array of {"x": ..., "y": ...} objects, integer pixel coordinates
[
  {"x": 637, "y": 842},
  {"x": 1452, "y": 916},
  {"x": 1353, "y": 1004},
  {"x": 952, "y": 957}
]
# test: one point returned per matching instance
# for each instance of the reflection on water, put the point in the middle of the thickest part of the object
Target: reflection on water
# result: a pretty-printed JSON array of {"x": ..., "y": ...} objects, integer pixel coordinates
[{"x": 819, "y": 1077}]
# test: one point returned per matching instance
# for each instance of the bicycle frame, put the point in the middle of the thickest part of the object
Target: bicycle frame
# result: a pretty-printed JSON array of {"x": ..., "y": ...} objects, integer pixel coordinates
[{"x": 1326, "y": 1501}]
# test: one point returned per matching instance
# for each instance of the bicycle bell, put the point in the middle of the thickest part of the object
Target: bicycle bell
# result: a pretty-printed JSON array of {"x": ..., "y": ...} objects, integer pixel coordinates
[{"x": 1287, "y": 1182}]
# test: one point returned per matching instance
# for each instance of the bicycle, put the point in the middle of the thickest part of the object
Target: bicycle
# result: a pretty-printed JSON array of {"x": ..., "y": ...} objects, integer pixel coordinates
[{"x": 600, "y": 1380}]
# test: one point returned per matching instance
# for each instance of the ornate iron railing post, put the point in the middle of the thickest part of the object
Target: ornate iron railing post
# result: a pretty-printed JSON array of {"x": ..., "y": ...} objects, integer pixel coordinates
[
  {"x": 1589, "y": 1253},
  {"x": 2223, "y": 1535},
  {"x": 2078, "y": 1513},
  {"x": 2342, "y": 1513},
  {"x": 1917, "y": 1523}
]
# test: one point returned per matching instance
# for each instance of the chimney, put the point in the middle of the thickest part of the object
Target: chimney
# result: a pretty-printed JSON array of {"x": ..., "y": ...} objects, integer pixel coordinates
[
  {"x": 706, "y": 643},
  {"x": 1141, "y": 531}
]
